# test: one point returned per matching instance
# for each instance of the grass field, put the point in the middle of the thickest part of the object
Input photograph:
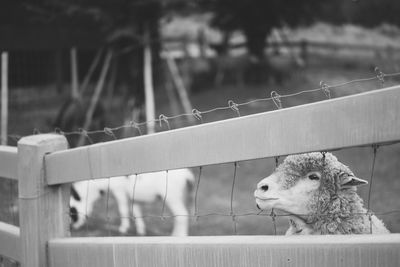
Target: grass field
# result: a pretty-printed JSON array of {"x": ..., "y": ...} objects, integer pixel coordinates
[{"x": 214, "y": 192}]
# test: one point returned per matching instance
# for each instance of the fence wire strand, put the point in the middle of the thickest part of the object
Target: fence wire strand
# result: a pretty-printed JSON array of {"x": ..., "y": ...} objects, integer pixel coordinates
[
  {"x": 380, "y": 76},
  {"x": 133, "y": 197},
  {"x": 196, "y": 207},
  {"x": 107, "y": 206},
  {"x": 165, "y": 197},
  {"x": 231, "y": 200},
  {"x": 244, "y": 214},
  {"x": 276, "y": 99},
  {"x": 235, "y": 107},
  {"x": 273, "y": 215},
  {"x": 375, "y": 149}
]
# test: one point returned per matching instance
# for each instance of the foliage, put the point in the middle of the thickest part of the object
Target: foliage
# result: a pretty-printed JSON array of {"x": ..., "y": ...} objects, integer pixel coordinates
[
  {"x": 125, "y": 17},
  {"x": 123, "y": 25},
  {"x": 374, "y": 12},
  {"x": 256, "y": 18}
]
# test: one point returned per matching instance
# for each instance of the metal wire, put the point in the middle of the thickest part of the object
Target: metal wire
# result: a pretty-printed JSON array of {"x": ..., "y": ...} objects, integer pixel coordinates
[
  {"x": 231, "y": 202},
  {"x": 196, "y": 208},
  {"x": 133, "y": 196},
  {"x": 107, "y": 204},
  {"x": 375, "y": 148},
  {"x": 231, "y": 106},
  {"x": 276, "y": 99},
  {"x": 273, "y": 215},
  {"x": 86, "y": 207},
  {"x": 245, "y": 214},
  {"x": 165, "y": 196}
]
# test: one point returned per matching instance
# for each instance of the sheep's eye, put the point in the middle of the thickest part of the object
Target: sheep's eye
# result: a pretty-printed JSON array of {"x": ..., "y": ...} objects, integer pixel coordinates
[{"x": 313, "y": 176}]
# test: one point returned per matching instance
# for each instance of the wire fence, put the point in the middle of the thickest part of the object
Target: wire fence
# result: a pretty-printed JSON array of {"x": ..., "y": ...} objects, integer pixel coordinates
[
  {"x": 164, "y": 121},
  {"x": 235, "y": 107},
  {"x": 234, "y": 215}
]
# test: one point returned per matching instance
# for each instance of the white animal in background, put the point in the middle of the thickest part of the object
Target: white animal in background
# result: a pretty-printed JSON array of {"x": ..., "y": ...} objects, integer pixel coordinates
[
  {"x": 133, "y": 190},
  {"x": 319, "y": 193}
]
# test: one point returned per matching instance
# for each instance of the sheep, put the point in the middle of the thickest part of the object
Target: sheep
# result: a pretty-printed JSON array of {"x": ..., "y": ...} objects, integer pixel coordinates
[
  {"x": 133, "y": 190},
  {"x": 319, "y": 193}
]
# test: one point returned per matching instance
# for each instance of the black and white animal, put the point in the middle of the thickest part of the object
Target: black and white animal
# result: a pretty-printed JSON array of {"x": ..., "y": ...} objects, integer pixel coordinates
[
  {"x": 319, "y": 193},
  {"x": 132, "y": 191}
]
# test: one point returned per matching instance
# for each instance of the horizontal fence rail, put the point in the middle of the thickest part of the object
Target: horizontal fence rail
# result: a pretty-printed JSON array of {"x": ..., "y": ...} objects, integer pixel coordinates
[
  {"x": 337, "y": 123},
  {"x": 8, "y": 162},
  {"x": 9, "y": 241},
  {"x": 355, "y": 250}
]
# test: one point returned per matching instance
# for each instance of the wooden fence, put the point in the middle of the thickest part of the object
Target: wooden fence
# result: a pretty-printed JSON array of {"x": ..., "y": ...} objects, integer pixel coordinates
[{"x": 44, "y": 168}]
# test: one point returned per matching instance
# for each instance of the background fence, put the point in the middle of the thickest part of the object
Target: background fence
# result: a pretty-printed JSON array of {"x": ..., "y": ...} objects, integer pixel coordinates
[{"x": 45, "y": 168}]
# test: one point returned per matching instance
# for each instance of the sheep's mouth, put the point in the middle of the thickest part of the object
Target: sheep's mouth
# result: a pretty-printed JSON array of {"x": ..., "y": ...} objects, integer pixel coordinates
[{"x": 266, "y": 199}]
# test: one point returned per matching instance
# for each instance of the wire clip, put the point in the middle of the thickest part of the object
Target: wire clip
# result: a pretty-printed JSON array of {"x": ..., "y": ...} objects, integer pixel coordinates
[
  {"x": 277, "y": 99},
  {"x": 59, "y": 131},
  {"x": 133, "y": 124},
  {"x": 85, "y": 134},
  {"x": 325, "y": 89},
  {"x": 197, "y": 114},
  {"x": 163, "y": 118},
  {"x": 235, "y": 107},
  {"x": 108, "y": 131},
  {"x": 380, "y": 75}
]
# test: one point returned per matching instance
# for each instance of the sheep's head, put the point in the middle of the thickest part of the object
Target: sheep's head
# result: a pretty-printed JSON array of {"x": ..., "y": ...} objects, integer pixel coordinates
[
  {"x": 306, "y": 184},
  {"x": 81, "y": 203}
]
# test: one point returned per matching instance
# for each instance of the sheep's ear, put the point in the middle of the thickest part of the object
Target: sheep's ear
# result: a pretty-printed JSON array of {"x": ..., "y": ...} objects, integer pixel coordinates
[
  {"x": 75, "y": 194},
  {"x": 350, "y": 180}
]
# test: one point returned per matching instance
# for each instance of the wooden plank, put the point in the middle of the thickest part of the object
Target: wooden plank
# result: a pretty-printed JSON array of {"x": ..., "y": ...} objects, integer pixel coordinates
[
  {"x": 260, "y": 251},
  {"x": 43, "y": 210},
  {"x": 9, "y": 241},
  {"x": 367, "y": 118},
  {"x": 8, "y": 162}
]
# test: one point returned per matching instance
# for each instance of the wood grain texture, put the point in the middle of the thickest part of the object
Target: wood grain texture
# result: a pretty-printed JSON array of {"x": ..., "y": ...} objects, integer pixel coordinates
[
  {"x": 8, "y": 162},
  {"x": 219, "y": 251},
  {"x": 43, "y": 210},
  {"x": 9, "y": 241},
  {"x": 367, "y": 118}
]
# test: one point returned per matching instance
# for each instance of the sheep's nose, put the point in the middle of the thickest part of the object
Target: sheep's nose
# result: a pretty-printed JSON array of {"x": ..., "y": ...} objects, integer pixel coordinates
[
  {"x": 74, "y": 214},
  {"x": 264, "y": 187}
]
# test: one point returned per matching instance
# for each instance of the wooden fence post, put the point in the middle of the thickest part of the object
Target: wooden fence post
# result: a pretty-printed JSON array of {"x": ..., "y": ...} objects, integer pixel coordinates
[
  {"x": 74, "y": 73},
  {"x": 148, "y": 85},
  {"x": 43, "y": 209},
  {"x": 4, "y": 98}
]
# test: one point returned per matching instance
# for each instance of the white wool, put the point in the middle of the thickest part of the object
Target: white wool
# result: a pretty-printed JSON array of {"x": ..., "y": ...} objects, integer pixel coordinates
[
  {"x": 319, "y": 192},
  {"x": 133, "y": 190}
]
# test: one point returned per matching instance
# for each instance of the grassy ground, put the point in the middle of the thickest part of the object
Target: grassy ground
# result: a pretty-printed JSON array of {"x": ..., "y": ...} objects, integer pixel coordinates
[{"x": 214, "y": 192}]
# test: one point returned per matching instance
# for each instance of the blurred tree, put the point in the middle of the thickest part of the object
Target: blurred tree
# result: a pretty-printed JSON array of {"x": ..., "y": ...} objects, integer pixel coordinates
[
  {"x": 256, "y": 18},
  {"x": 374, "y": 12},
  {"x": 123, "y": 25}
]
